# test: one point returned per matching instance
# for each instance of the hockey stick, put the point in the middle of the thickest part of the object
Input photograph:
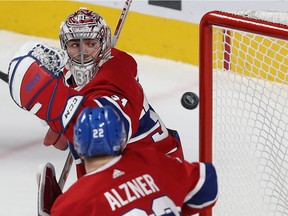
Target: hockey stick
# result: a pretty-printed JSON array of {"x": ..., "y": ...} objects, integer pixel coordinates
[
  {"x": 121, "y": 22},
  {"x": 4, "y": 76},
  {"x": 65, "y": 171}
]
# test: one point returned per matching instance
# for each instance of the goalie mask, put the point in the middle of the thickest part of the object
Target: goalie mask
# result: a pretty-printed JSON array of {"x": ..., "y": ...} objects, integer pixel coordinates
[
  {"x": 87, "y": 39},
  {"x": 99, "y": 132}
]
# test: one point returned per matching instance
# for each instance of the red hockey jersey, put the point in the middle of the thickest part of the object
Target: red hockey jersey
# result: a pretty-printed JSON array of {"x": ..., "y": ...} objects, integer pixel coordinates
[
  {"x": 116, "y": 84},
  {"x": 141, "y": 183}
]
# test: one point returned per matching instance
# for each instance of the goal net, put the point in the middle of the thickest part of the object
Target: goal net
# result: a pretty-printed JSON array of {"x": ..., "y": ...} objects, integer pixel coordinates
[{"x": 244, "y": 110}]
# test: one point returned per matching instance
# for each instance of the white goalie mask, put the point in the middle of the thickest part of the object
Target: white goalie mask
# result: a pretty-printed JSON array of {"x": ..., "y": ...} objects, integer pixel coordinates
[{"x": 87, "y": 39}]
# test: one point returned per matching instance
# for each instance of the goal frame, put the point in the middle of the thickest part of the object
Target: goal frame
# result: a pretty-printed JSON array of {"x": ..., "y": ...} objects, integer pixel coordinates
[{"x": 229, "y": 20}]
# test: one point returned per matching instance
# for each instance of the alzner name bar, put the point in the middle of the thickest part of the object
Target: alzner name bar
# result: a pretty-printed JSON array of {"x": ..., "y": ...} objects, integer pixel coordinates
[{"x": 132, "y": 190}]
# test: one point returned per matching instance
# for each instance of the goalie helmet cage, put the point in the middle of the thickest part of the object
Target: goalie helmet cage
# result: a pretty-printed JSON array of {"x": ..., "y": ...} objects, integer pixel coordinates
[{"x": 244, "y": 110}]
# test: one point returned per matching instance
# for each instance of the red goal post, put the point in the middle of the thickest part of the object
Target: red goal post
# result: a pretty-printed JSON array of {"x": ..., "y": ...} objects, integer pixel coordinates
[{"x": 244, "y": 110}]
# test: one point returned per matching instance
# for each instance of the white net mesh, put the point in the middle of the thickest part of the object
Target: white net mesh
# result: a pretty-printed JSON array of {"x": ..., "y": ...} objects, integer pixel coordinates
[
  {"x": 270, "y": 16},
  {"x": 250, "y": 120}
]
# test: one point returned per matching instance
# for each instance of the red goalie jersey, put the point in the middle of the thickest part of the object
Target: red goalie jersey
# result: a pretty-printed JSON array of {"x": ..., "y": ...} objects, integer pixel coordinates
[
  {"x": 141, "y": 183},
  {"x": 116, "y": 84},
  {"x": 43, "y": 92}
]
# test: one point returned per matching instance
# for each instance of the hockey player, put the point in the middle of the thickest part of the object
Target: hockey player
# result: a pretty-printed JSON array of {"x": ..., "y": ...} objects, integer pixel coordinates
[
  {"x": 133, "y": 182},
  {"x": 110, "y": 75},
  {"x": 94, "y": 75}
]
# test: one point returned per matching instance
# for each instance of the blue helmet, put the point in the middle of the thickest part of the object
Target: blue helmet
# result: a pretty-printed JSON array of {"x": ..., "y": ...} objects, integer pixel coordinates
[{"x": 99, "y": 131}]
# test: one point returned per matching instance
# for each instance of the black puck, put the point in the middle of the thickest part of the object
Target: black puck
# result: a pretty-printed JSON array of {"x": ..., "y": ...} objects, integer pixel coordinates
[{"x": 189, "y": 100}]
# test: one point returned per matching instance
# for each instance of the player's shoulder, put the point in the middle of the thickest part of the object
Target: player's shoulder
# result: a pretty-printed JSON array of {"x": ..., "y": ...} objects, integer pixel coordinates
[
  {"x": 119, "y": 53},
  {"x": 130, "y": 149},
  {"x": 120, "y": 62},
  {"x": 122, "y": 55},
  {"x": 147, "y": 154}
]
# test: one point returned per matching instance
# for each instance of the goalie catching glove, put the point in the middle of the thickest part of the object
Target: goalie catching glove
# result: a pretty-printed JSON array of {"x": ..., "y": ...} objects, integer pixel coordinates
[{"x": 36, "y": 84}]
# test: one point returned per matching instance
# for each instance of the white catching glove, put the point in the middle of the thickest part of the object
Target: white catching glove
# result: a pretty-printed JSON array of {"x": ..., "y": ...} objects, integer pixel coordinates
[
  {"x": 54, "y": 59},
  {"x": 34, "y": 67}
]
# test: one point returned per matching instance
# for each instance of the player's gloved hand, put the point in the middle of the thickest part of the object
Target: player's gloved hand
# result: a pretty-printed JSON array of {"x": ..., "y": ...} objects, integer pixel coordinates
[
  {"x": 59, "y": 141},
  {"x": 36, "y": 84},
  {"x": 54, "y": 59}
]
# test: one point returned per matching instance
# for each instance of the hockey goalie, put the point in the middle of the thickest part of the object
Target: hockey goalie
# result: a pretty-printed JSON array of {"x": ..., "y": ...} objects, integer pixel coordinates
[{"x": 57, "y": 84}]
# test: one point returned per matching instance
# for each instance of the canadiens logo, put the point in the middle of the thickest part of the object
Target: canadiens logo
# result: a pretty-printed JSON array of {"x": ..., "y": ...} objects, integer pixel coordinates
[{"x": 84, "y": 16}]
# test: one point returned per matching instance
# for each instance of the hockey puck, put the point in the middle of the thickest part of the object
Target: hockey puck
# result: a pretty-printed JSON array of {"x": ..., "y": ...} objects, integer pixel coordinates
[{"x": 189, "y": 100}]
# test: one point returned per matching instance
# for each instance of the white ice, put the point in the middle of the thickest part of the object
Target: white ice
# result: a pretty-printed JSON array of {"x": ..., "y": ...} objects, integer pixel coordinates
[{"x": 21, "y": 133}]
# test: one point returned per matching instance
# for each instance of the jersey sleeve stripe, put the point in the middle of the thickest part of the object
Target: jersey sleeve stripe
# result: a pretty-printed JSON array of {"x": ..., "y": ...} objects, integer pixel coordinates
[
  {"x": 202, "y": 176},
  {"x": 143, "y": 135},
  {"x": 204, "y": 194},
  {"x": 107, "y": 101}
]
